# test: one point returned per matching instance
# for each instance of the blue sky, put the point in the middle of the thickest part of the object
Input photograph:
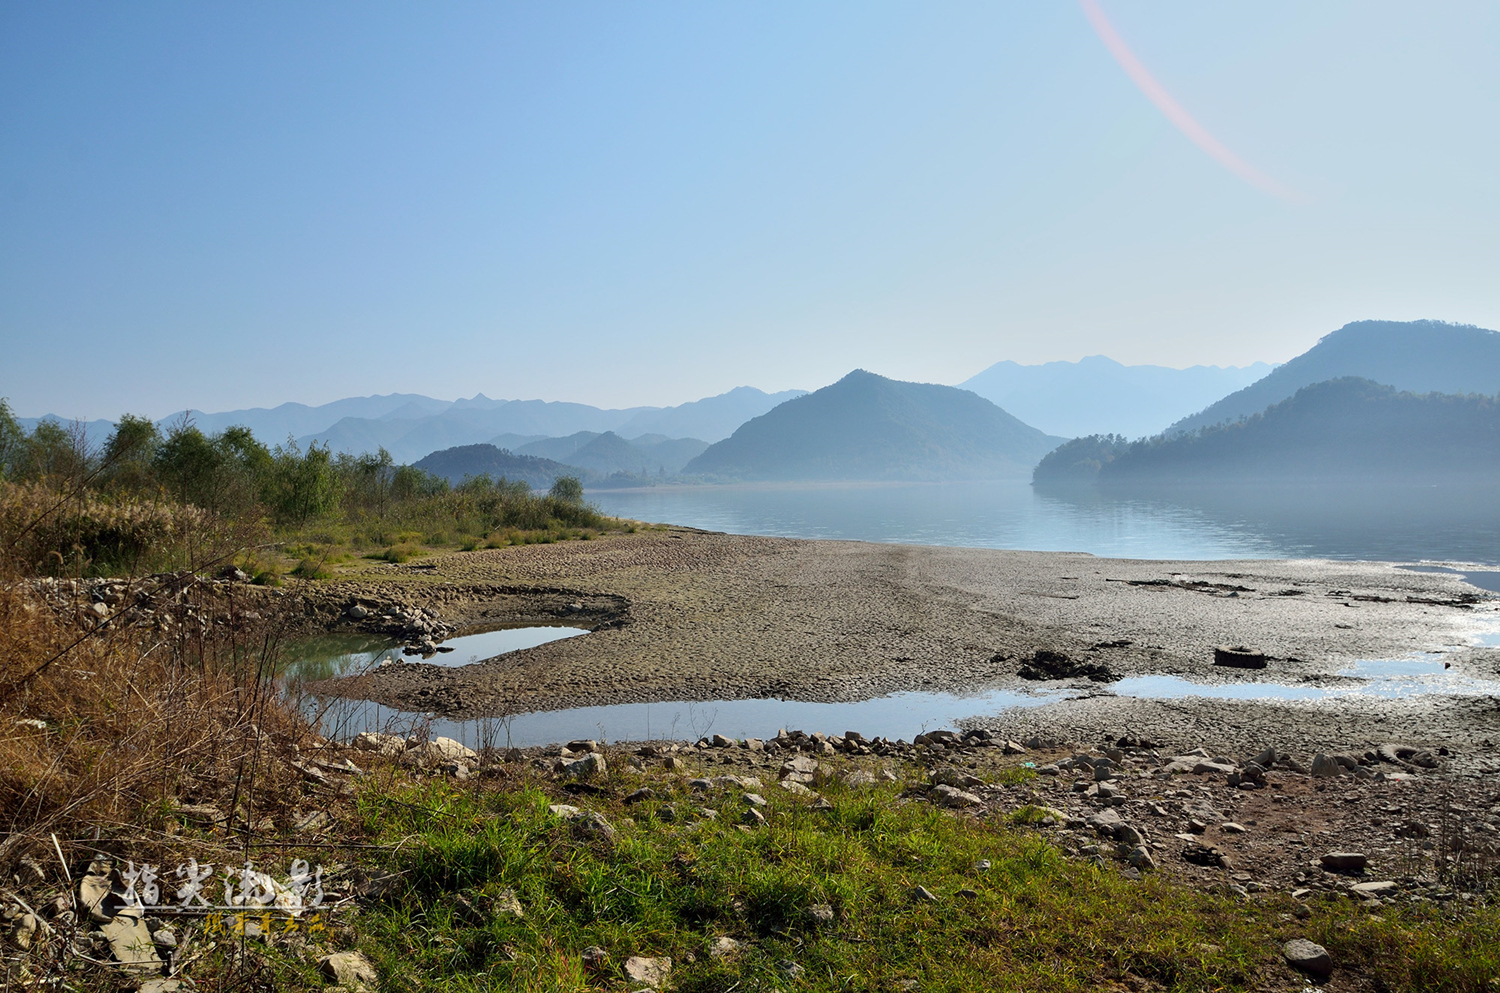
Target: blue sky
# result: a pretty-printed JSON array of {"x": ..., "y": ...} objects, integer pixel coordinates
[{"x": 217, "y": 206}]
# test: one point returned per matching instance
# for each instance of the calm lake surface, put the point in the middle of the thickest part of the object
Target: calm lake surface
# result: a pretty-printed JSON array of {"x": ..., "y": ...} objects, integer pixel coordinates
[{"x": 1405, "y": 524}]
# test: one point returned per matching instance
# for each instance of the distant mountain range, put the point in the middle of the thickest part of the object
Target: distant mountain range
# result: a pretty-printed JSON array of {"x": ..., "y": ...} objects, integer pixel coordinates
[
  {"x": 1097, "y": 395},
  {"x": 1344, "y": 429},
  {"x": 650, "y": 454},
  {"x": 1416, "y": 356},
  {"x": 868, "y": 427},
  {"x": 410, "y": 426}
]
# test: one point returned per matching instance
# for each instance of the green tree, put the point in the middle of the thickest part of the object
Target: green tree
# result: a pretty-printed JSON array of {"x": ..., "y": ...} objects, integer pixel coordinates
[
  {"x": 567, "y": 489},
  {"x": 129, "y": 453},
  {"x": 12, "y": 441},
  {"x": 304, "y": 485}
]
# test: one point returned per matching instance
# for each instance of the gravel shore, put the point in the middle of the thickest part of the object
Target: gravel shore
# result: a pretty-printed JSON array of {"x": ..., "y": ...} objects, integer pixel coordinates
[{"x": 689, "y": 615}]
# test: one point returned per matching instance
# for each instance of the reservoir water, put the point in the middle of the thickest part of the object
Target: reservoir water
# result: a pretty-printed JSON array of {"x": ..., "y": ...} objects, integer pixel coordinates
[{"x": 1405, "y": 524}]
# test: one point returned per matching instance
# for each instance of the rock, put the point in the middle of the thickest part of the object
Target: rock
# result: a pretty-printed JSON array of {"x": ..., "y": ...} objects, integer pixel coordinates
[
  {"x": 1324, "y": 767},
  {"x": 1382, "y": 887},
  {"x": 563, "y": 810},
  {"x": 820, "y": 913},
  {"x": 789, "y": 969},
  {"x": 1105, "y": 822},
  {"x": 796, "y": 788},
  {"x": 742, "y": 782},
  {"x": 647, "y": 973},
  {"x": 160, "y": 986},
  {"x": 357, "y": 613},
  {"x": 583, "y": 746},
  {"x": 799, "y": 768},
  {"x": 1127, "y": 835},
  {"x": 1230, "y": 827},
  {"x": 350, "y": 970},
  {"x": 592, "y": 764},
  {"x": 720, "y": 741},
  {"x": 1104, "y": 770},
  {"x": 673, "y": 763},
  {"x": 948, "y": 796},
  {"x": 506, "y": 902},
  {"x": 593, "y": 826},
  {"x": 385, "y": 744},
  {"x": 1013, "y": 748},
  {"x": 594, "y": 957},
  {"x": 1140, "y": 858},
  {"x": 956, "y": 778},
  {"x": 1344, "y": 861},
  {"x": 640, "y": 795},
  {"x": 1265, "y": 758},
  {"x": 164, "y": 938},
  {"x": 448, "y": 750},
  {"x": 1202, "y": 768},
  {"x": 753, "y": 817},
  {"x": 755, "y": 799},
  {"x": 721, "y": 948},
  {"x": 1307, "y": 956},
  {"x": 93, "y": 896},
  {"x": 1239, "y": 657},
  {"x": 923, "y": 894},
  {"x": 859, "y": 778}
]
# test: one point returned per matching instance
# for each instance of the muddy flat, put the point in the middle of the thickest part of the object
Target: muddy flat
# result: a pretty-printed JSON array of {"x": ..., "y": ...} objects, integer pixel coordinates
[{"x": 688, "y": 615}]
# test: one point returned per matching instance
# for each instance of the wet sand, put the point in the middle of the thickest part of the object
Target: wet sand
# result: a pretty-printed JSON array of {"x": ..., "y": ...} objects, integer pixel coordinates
[{"x": 687, "y": 615}]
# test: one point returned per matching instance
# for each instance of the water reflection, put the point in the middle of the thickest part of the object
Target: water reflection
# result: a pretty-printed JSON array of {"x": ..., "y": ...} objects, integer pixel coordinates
[{"x": 1438, "y": 522}]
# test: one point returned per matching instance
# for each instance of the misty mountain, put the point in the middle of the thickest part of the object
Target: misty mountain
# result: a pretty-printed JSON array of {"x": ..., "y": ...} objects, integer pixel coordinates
[
  {"x": 712, "y": 418},
  {"x": 1097, "y": 395},
  {"x": 468, "y": 461},
  {"x": 868, "y": 427},
  {"x": 1341, "y": 430},
  {"x": 609, "y": 453},
  {"x": 560, "y": 449},
  {"x": 480, "y": 420},
  {"x": 1415, "y": 356}
]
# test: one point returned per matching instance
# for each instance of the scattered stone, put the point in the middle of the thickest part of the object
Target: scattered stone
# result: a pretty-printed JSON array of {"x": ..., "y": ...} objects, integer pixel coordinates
[
  {"x": 1045, "y": 664},
  {"x": 956, "y": 778},
  {"x": 1308, "y": 956},
  {"x": 789, "y": 969},
  {"x": 590, "y": 765},
  {"x": 720, "y": 741},
  {"x": 820, "y": 913},
  {"x": 923, "y": 894},
  {"x": 949, "y": 796},
  {"x": 506, "y": 902},
  {"x": 593, "y": 826},
  {"x": 563, "y": 810},
  {"x": 640, "y": 795},
  {"x": 753, "y": 817},
  {"x": 755, "y": 799},
  {"x": 350, "y": 970},
  {"x": 647, "y": 973},
  {"x": 1140, "y": 858},
  {"x": 1344, "y": 861},
  {"x": 1324, "y": 767},
  {"x": 1230, "y": 827},
  {"x": 594, "y": 957},
  {"x": 721, "y": 948},
  {"x": 795, "y": 788},
  {"x": 1373, "y": 888},
  {"x": 860, "y": 777}
]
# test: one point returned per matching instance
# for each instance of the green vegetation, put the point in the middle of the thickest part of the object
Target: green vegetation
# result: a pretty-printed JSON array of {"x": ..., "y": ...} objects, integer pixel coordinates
[
  {"x": 151, "y": 500},
  {"x": 671, "y": 881}
]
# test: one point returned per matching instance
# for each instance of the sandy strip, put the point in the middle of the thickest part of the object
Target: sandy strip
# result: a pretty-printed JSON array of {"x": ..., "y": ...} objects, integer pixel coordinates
[{"x": 689, "y": 615}]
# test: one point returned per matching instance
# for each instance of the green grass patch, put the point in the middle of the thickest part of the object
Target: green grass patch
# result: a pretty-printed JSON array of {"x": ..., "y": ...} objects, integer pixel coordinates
[{"x": 673, "y": 880}]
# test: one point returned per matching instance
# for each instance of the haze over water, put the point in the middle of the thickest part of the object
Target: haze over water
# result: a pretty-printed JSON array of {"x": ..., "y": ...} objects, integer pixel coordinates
[{"x": 1433, "y": 523}]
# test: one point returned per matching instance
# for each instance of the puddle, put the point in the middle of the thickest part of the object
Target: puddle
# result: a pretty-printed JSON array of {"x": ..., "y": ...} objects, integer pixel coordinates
[
  {"x": 338, "y": 655},
  {"x": 901, "y": 715},
  {"x": 1385, "y": 679},
  {"x": 1485, "y": 579}
]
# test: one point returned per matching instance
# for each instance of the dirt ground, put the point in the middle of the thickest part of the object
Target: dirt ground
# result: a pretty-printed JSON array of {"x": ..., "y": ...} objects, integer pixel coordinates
[{"x": 688, "y": 615}]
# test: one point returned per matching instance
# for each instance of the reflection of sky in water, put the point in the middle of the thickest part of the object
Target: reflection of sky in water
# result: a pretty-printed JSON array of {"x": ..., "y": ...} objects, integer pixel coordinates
[
  {"x": 323, "y": 658},
  {"x": 1343, "y": 522},
  {"x": 901, "y": 715}
]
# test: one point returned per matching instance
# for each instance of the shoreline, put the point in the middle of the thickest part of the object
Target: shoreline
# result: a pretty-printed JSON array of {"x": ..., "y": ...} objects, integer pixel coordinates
[{"x": 684, "y": 615}]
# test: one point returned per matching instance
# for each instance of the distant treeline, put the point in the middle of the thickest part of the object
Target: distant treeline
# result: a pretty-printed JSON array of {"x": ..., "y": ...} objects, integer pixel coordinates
[
  {"x": 1342, "y": 429},
  {"x": 140, "y": 492}
]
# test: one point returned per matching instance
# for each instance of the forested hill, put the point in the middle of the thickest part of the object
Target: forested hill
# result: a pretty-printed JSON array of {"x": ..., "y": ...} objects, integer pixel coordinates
[
  {"x": 1419, "y": 356},
  {"x": 471, "y": 461},
  {"x": 872, "y": 428},
  {"x": 1344, "y": 429}
]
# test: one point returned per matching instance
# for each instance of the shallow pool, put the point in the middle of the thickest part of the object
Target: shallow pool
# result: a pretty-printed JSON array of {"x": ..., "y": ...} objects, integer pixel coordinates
[{"x": 328, "y": 656}]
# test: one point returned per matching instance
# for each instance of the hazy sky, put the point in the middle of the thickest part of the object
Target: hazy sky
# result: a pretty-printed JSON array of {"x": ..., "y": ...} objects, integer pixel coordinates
[{"x": 218, "y": 205}]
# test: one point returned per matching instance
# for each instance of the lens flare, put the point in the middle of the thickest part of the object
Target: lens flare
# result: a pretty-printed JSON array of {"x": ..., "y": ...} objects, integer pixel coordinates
[{"x": 1168, "y": 105}]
